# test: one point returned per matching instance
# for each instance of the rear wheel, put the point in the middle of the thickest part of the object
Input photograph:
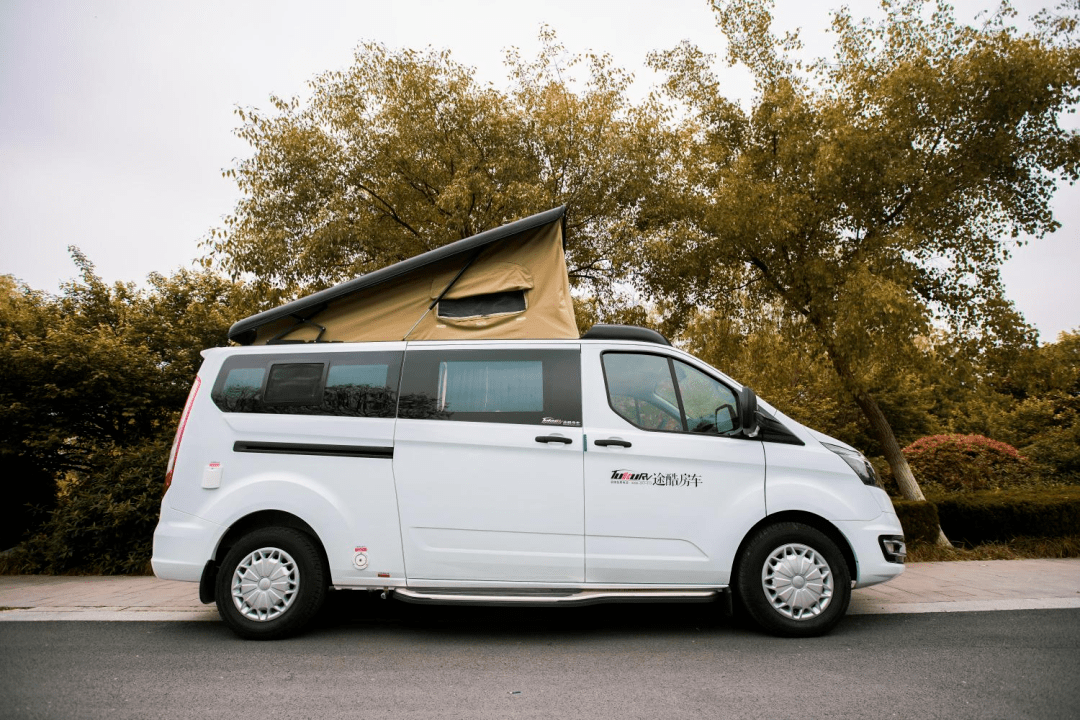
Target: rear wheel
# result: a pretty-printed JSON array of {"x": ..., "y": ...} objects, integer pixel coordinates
[
  {"x": 271, "y": 584},
  {"x": 793, "y": 581}
]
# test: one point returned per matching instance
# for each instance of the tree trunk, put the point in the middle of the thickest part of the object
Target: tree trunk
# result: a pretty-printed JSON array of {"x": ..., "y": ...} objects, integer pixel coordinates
[{"x": 909, "y": 487}]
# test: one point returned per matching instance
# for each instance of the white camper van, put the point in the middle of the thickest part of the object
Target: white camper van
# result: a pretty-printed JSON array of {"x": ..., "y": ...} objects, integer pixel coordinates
[{"x": 603, "y": 468}]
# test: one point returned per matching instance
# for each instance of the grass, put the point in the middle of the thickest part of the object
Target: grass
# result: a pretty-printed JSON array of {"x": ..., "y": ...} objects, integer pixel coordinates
[{"x": 1017, "y": 549}]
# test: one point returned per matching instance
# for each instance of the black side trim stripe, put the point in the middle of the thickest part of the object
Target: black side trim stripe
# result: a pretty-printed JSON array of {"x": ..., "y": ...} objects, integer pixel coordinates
[{"x": 357, "y": 451}]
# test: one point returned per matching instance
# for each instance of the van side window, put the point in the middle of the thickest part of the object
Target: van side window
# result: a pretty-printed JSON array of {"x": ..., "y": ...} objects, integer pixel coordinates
[
  {"x": 655, "y": 392},
  {"x": 491, "y": 386},
  {"x": 294, "y": 383},
  {"x": 641, "y": 389},
  {"x": 709, "y": 405},
  {"x": 240, "y": 390},
  {"x": 520, "y": 387},
  {"x": 368, "y": 390},
  {"x": 348, "y": 384}
]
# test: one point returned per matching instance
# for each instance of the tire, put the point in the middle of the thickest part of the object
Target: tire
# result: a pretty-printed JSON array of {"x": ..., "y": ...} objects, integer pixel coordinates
[
  {"x": 271, "y": 584},
  {"x": 793, "y": 581}
]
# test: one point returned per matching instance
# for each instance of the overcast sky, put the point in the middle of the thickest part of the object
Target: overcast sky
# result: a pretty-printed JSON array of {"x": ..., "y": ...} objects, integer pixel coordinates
[{"x": 117, "y": 118}]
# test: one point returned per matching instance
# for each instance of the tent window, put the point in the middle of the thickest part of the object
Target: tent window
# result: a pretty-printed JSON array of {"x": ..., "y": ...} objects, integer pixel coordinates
[{"x": 499, "y": 303}]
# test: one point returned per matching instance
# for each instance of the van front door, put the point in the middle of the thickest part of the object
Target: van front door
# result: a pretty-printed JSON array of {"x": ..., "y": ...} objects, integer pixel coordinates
[
  {"x": 669, "y": 490},
  {"x": 488, "y": 463}
]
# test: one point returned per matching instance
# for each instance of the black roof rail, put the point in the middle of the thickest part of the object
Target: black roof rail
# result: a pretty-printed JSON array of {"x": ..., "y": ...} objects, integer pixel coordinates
[{"x": 624, "y": 332}]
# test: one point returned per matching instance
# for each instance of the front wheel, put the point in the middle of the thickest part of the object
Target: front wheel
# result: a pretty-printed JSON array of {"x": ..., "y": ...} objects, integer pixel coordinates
[
  {"x": 271, "y": 584},
  {"x": 793, "y": 580}
]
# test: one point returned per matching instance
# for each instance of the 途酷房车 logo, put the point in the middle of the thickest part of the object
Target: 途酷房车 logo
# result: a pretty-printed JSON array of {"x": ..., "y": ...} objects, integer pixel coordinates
[{"x": 629, "y": 477}]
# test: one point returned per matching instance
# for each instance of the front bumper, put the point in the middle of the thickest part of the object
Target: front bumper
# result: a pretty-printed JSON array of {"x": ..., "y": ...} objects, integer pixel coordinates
[{"x": 864, "y": 536}]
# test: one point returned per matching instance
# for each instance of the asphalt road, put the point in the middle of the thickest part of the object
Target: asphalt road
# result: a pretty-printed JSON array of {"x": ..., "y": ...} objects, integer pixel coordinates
[{"x": 385, "y": 660}]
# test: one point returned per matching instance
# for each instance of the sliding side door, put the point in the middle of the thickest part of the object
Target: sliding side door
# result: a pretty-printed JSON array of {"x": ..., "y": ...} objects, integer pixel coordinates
[{"x": 488, "y": 463}]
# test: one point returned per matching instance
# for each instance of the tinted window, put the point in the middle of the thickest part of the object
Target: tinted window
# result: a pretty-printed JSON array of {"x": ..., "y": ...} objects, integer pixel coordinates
[
  {"x": 351, "y": 384},
  {"x": 241, "y": 388},
  {"x": 491, "y": 386},
  {"x": 529, "y": 387},
  {"x": 295, "y": 383},
  {"x": 362, "y": 390},
  {"x": 659, "y": 393}
]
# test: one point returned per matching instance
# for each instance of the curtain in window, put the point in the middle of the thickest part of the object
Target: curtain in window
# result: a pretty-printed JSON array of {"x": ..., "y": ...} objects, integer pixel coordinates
[{"x": 491, "y": 386}]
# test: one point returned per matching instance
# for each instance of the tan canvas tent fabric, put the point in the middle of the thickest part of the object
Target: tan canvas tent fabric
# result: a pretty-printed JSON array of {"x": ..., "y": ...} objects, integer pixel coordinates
[{"x": 523, "y": 259}]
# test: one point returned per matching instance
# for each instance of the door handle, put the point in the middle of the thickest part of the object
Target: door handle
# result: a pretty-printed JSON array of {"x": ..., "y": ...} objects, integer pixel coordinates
[
  {"x": 605, "y": 443},
  {"x": 553, "y": 439}
]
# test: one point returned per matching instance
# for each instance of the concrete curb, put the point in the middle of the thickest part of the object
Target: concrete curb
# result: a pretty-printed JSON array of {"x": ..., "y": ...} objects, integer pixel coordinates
[
  {"x": 105, "y": 614},
  {"x": 867, "y": 608},
  {"x": 108, "y": 615}
]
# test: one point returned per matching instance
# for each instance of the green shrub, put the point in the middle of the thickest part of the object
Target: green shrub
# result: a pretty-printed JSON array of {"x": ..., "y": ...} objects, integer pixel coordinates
[
  {"x": 1002, "y": 516},
  {"x": 919, "y": 519},
  {"x": 964, "y": 463},
  {"x": 104, "y": 520},
  {"x": 1054, "y": 439}
]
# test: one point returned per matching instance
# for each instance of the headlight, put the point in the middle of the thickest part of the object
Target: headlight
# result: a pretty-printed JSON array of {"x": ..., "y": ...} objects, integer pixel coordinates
[{"x": 857, "y": 462}]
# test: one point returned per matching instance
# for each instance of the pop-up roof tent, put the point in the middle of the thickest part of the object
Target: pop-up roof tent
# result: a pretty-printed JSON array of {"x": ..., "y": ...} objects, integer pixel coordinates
[{"x": 509, "y": 282}]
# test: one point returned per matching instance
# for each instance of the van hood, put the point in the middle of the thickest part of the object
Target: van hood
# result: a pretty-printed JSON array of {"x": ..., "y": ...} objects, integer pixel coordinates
[{"x": 823, "y": 438}]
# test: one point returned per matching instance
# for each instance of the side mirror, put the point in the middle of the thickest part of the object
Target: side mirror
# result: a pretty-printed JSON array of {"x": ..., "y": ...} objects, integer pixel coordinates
[{"x": 748, "y": 423}]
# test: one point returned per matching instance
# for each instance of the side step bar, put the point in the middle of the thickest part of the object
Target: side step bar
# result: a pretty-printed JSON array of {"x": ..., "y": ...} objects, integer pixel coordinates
[{"x": 549, "y": 597}]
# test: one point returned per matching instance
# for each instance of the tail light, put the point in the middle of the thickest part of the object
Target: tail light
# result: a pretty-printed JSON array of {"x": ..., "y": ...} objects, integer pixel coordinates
[{"x": 180, "y": 431}]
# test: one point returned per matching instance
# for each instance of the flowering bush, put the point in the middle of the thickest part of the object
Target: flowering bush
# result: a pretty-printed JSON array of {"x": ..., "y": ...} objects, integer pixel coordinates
[{"x": 965, "y": 462}]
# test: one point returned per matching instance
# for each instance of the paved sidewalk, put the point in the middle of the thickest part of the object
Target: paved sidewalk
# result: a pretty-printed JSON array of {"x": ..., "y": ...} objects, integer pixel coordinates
[
  {"x": 974, "y": 585},
  {"x": 96, "y": 597},
  {"x": 924, "y": 587}
]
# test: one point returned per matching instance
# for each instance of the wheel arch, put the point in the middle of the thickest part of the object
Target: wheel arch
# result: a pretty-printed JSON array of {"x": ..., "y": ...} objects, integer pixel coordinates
[
  {"x": 247, "y": 524},
  {"x": 806, "y": 518}
]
